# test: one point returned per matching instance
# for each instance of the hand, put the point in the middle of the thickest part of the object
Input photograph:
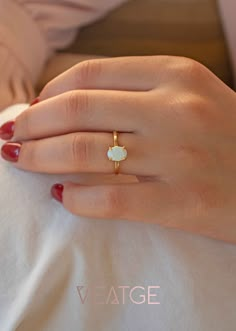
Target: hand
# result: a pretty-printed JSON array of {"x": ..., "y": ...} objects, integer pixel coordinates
[
  {"x": 15, "y": 83},
  {"x": 59, "y": 63},
  {"x": 177, "y": 121}
]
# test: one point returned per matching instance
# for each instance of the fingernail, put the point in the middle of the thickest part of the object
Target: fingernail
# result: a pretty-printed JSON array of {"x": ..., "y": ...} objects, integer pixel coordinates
[
  {"x": 57, "y": 191},
  {"x": 10, "y": 151},
  {"x": 34, "y": 102},
  {"x": 7, "y": 130}
]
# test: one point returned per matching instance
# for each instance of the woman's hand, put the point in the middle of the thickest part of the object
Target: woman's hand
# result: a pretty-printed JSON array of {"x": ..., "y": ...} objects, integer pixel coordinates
[
  {"x": 177, "y": 121},
  {"x": 15, "y": 83}
]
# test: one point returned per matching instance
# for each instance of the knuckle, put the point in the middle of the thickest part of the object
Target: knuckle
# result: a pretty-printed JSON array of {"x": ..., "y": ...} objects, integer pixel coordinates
[
  {"x": 197, "y": 107},
  {"x": 77, "y": 103},
  {"x": 194, "y": 156},
  {"x": 88, "y": 71},
  {"x": 80, "y": 150},
  {"x": 113, "y": 203},
  {"x": 193, "y": 70},
  {"x": 201, "y": 113},
  {"x": 24, "y": 125},
  {"x": 28, "y": 155},
  {"x": 198, "y": 112}
]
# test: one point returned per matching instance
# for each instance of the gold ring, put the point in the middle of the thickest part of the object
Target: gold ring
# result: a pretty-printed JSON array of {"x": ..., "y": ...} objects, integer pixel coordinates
[{"x": 117, "y": 153}]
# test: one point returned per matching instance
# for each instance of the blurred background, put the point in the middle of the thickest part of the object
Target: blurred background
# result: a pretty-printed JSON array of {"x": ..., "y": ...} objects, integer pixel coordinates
[{"x": 190, "y": 28}]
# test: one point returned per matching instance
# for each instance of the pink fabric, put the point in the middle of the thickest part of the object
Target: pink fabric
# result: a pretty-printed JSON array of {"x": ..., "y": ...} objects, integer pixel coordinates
[{"x": 31, "y": 30}]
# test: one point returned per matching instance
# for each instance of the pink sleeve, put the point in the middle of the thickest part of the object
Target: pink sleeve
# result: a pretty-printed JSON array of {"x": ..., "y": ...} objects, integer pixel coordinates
[{"x": 31, "y": 30}]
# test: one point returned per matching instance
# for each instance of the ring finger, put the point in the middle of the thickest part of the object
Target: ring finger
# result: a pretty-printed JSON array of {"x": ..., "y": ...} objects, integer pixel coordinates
[{"x": 78, "y": 152}]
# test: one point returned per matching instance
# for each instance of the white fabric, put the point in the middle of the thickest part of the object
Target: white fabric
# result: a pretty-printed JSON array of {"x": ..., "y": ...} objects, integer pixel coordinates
[{"x": 45, "y": 253}]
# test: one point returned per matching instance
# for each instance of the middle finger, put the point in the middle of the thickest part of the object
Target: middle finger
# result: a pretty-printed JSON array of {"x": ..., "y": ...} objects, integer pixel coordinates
[{"x": 82, "y": 111}]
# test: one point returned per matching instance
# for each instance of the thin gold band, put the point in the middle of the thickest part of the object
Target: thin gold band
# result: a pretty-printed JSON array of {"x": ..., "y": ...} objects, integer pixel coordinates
[{"x": 115, "y": 139}]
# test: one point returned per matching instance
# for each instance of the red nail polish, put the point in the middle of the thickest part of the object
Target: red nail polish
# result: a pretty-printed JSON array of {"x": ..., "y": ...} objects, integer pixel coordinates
[
  {"x": 57, "y": 191},
  {"x": 7, "y": 130},
  {"x": 34, "y": 102},
  {"x": 11, "y": 151}
]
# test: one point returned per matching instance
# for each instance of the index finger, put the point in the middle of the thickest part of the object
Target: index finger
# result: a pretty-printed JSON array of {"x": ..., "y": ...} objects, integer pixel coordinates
[{"x": 141, "y": 73}]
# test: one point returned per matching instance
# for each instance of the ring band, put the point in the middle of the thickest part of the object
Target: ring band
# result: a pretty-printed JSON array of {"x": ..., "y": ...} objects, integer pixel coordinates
[
  {"x": 117, "y": 164},
  {"x": 117, "y": 153}
]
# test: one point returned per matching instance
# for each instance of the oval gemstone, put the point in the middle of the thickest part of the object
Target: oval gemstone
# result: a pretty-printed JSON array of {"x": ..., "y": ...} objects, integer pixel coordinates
[{"x": 117, "y": 153}]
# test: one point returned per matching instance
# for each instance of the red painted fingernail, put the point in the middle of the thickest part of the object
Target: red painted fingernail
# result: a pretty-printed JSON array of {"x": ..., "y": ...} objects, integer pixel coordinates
[
  {"x": 57, "y": 191},
  {"x": 7, "y": 130},
  {"x": 11, "y": 151},
  {"x": 34, "y": 102}
]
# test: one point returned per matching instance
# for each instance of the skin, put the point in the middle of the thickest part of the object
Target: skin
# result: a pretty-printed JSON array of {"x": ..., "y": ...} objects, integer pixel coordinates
[
  {"x": 178, "y": 123},
  {"x": 16, "y": 89}
]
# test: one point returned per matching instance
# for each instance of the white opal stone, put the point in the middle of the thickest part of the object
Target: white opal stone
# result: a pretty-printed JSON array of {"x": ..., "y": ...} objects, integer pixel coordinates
[{"x": 117, "y": 153}]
